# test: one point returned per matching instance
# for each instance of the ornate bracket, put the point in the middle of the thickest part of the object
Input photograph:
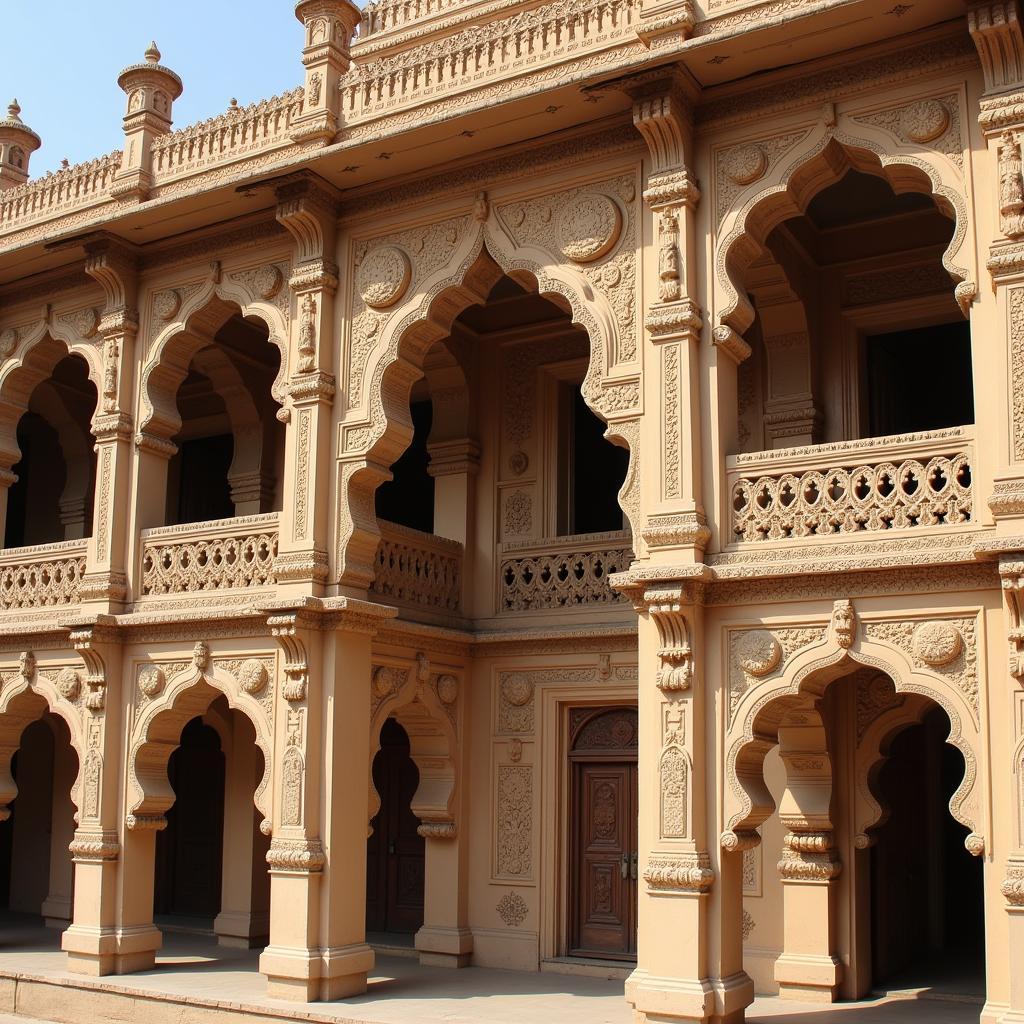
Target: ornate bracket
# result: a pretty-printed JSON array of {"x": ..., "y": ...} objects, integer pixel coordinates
[
  {"x": 285, "y": 629},
  {"x": 676, "y": 672},
  {"x": 995, "y": 27},
  {"x": 307, "y": 206},
  {"x": 1011, "y": 573},
  {"x": 86, "y": 641}
]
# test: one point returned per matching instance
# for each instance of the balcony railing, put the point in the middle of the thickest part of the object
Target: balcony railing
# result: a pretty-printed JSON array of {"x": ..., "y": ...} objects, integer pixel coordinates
[
  {"x": 197, "y": 558},
  {"x": 884, "y": 483},
  {"x": 564, "y": 572},
  {"x": 418, "y": 569},
  {"x": 387, "y": 15},
  {"x": 44, "y": 576}
]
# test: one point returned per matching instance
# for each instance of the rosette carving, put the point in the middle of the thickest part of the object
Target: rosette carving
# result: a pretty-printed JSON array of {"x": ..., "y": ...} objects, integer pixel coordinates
[
  {"x": 69, "y": 683},
  {"x": 759, "y": 653},
  {"x": 252, "y": 677},
  {"x": 151, "y": 680},
  {"x": 589, "y": 225},
  {"x": 937, "y": 643},
  {"x": 384, "y": 276}
]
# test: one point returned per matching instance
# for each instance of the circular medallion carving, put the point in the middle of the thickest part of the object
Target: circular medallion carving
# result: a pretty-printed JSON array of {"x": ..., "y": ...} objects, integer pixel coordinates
[
  {"x": 384, "y": 276},
  {"x": 8, "y": 342},
  {"x": 925, "y": 121},
  {"x": 151, "y": 680},
  {"x": 268, "y": 281},
  {"x": 746, "y": 164},
  {"x": 252, "y": 676},
  {"x": 517, "y": 691},
  {"x": 447, "y": 689},
  {"x": 166, "y": 304},
  {"x": 384, "y": 683},
  {"x": 588, "y": 227},
  {"x": 611, "y": 275},
  {"x": 937, "y": 643},
  {"x": 69, "y": 682},
  {"x": 518, "y": 462},
  {"x": 759, "y": 652}
]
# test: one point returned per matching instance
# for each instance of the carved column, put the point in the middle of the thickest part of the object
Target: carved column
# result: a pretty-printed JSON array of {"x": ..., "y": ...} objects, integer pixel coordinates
[
  {"x": 454, "y": 466},
  {"x": 97, "y": 942},
  {"x": 807, "y": 968},
  {"x": 106, "y": 581},
  {"x": 329, "y": 26},
  {"x": 307, "y": 207},
  {"x": 663, "y": 113},
  {"x": 689, "y": 962}
]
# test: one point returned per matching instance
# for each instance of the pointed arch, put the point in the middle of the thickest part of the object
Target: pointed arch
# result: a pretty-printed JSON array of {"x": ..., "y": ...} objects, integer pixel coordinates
[
  {"x": 820, "y": 159},
  {"x": 479, "y": 261},
  {"x": 157, "y": 733}
]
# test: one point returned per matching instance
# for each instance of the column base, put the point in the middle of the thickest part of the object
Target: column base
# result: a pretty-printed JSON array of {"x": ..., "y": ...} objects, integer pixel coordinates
[
  {"x": 98, "y": 953},
  {"x": 444, "y": 947},
  {"x": 242, "y": 930},
  {"x": 808, "y": 978},
  {"x": 667, "y": 1000},
  {"x": 308, "y": 976}
]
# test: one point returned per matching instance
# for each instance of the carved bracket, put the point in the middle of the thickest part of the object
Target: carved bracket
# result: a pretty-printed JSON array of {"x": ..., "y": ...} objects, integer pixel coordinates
[
  {"x": 86, "y": 642},
  {"x": 1011, "y": 573},
  {"x": 285, "y": 629},
  {"x": 307, "y": 206},
  {"x": 676, "y": 672}
]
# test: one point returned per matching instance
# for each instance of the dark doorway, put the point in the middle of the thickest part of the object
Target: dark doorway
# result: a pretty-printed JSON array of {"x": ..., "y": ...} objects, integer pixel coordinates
[
  {"x": 189, "y": 851},
  {"x": 395, "y": 850},
  {"x": 927, "y": 890},
  {"x": 938, "y": 361},
  {"x": 408, "y": 498},
  {"x": 603, "y": 836},
  {"x": 197, "y": 480}
]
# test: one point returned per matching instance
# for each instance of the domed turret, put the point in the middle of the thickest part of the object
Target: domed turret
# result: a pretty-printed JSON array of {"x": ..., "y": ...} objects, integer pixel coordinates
[{"x": 17, "y": 144}]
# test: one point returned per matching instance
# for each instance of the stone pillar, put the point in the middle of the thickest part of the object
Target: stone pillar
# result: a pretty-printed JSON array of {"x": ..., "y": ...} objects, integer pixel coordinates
[
  {"x": 445, "y": 940},
  {"x": 7, "y": 478},
  {"x": 244, "y": 918},
  {"x": 307, "y": 207},
  {"x": 17, "y": 144},
  {"x": 329, "y": 26},
  {"x": 151, "y": 90},
  {"x": 808, "y": 969},
  {"x": 690, "y": 960},
  {"x": 1013, "y": 892},
  {"x": 346, "y": 957},
  {"x": 103, "y": 937},
  {"x": 105, "y": 585},
  {"x": 454, "y": 466}
]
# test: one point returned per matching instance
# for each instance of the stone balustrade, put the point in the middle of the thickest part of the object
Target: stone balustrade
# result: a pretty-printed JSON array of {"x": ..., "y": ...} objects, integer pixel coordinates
[
  {"x": 566, "y": 572},
  {"x": 885, "y": 483},
  {"x": 45, "y": 576},
  {"x": 196, "y": 558},
  {"x": 387, "y": 15},
  {"x": 418, "y": 569}
]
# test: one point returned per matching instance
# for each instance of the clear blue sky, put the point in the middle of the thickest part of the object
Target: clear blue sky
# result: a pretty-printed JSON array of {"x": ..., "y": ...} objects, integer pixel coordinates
[{"x": 61, "y": 60}]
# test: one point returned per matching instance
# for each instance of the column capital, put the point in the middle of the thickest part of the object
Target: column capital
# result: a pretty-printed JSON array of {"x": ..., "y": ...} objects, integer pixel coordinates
[
  {"x": 679, "y": 872},
  {"x": 809, "y": 857}
]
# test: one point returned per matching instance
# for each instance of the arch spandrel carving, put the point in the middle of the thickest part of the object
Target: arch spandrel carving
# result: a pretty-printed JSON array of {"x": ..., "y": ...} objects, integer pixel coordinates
[
  {"x": 403, "y": 333},
  {"x": 197, "y": 312},
  {"x": 839, "y": 649},
  {"x": 167, "y": 695},
  {"x": 795, "y": 174}
]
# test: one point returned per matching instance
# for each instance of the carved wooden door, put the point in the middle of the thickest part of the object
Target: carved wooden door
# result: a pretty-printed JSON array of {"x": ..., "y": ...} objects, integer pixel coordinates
[
  {"x": 603, "y": 846},
  {"x": 395, "y": 851}
]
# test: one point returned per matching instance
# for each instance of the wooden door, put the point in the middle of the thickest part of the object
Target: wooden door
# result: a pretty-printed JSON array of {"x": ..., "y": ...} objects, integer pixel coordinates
[
  {"x": 395, "y": 851},
  {"x": 603, "y": 846}
]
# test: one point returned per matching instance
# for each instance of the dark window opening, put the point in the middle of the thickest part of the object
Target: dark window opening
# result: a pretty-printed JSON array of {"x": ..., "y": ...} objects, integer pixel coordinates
[
  {"x": 592, "y": 470},
  {"x": 938, "y": 361},
  {"x": 197, "y": 479},
  {"x": 408, "y": 499}
]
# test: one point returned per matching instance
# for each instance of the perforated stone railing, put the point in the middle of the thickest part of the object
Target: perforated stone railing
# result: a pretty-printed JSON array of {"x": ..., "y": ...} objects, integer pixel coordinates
[
  {"x": 486, "y": 52},
  {"x": 388, "y": 15},
  {"x": 237, "y": 133},
  {"x": 418, "y": 569},
  {"x": 223, "y": 554},
  {"x": 45, "y": 576},
  {"x": 886, "y": 483},
  {"x": 568, "y": 572},
  {"x": 59, "y": 192}
]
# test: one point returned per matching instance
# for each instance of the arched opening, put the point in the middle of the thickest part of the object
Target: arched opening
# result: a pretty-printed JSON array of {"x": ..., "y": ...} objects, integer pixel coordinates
[
  {"x": 856, "y": 330},
  {"x": 36, "y": 870},
  {"x": 230, "y": 444},
  {"x": 395, "y": 851},
  {"x": 927, "y": 891},
  {"x": 52, "y": 498},
  {"x": 210, "y": 869},
  {"x": 862, "y": 881}
]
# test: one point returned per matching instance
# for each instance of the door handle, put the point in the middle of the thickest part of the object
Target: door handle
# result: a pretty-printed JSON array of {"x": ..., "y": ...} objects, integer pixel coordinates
[
  {"x": 391, "y": 846},
  {"x": 633, "y": 866},
  {"x": 624, "y": 866}
]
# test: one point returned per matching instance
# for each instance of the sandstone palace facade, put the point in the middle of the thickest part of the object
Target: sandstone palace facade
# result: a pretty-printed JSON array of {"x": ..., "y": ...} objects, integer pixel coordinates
[{"x": 579, "y": 445}]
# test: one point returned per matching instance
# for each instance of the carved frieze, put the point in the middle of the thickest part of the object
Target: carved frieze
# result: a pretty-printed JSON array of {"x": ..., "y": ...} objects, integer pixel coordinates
[{"x": 514, "y": 809}]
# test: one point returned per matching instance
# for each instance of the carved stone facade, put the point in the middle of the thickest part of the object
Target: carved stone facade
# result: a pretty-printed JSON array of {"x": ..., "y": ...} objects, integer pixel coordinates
[{"x": 792, "y": 297}]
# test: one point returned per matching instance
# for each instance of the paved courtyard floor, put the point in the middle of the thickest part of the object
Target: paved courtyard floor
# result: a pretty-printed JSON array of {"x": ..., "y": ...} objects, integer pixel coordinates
[{"x": 191, "y": 968}]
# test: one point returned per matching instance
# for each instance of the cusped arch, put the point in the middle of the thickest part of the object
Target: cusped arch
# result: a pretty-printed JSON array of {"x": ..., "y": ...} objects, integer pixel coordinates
[
  {"x": 809, "y": 672},
  {"x": 201, "y": 315},
  {"x": 819, "y": 160},
  {"x": 33, "y": 362},
  {"x": 478, "y": 262},
  {"x": 415, "y": 705},
  {"x": 21, "y": 704},
  {"x": 157, "y": 734}
]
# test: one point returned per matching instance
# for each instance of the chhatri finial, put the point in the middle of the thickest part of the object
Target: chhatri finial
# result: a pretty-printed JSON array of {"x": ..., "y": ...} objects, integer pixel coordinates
[
  {"x": 13, "y": 110},
  {"x": 152, "y": 55}
]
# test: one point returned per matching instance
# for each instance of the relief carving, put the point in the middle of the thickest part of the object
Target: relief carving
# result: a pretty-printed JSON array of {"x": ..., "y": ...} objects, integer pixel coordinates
[{"x": 514, "y": 822}]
